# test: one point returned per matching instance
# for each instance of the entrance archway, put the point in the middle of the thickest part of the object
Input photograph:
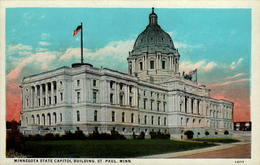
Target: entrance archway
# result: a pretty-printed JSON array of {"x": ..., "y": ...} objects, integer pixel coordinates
[{"x": 189, "y": 134}]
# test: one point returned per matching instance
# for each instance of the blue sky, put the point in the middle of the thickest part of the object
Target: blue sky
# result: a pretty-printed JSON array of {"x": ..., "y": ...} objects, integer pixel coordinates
[{"x": 214, "y": 37}]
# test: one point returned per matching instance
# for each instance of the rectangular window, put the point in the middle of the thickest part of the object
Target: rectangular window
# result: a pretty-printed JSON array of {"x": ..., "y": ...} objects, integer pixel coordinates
[
  {"x": 111, "y": 98},
  {"x": 94, "y": 96},
  {"x": 151, "y": 64},
  {"x": 95, "y": 115},
  {"x": 141, "y": 65},
  {"x": 144, "y": 103},
  {"x": 39, "y": 102},
  {"x": 78, "y": 116},
  {"x": 151, "y": 104},
  {"x": 113, "y": 116},
  {"x": 130, "y": 101},
  {"x": 111, "y": 84},
  {"x": 123, "y": 116},
  {"x": 145, "y": 119},
  {"x": 158, "y": 106},
  {"x": 78, "y": 82},
  {"x": 78, "y": 97},
  {"x": 130, "y": 89},
  {"x": 61, "y": 96},
  {"x": 27, "y": 102},
  {"x": 152, "y": 120},
  {"x": 60, "y": 117},
  {"x": 164, "y": 106},
  {"x": 94, "y": 83},
  {"x": 44, "y": 101},
  {"x": 55, "y": 99},
  {"x": 163, "y": 64},
  {"x": 49, "y": 100},
  {"x": 121, "y": 97}
]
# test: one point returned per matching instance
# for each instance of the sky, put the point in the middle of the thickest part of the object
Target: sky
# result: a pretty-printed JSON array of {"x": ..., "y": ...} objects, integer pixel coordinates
[{"x": 215, "y": 41}]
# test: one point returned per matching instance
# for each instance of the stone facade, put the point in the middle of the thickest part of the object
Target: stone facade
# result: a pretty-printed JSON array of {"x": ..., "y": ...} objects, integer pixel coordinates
[{"x": 153, "y": 96}]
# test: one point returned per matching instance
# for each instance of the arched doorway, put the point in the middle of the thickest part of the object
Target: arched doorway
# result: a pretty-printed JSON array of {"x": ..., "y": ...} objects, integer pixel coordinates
[{"x": 189, "y": 134}]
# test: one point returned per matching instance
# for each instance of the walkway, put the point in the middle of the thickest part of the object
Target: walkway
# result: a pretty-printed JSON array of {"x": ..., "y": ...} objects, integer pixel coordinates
[{"x": 232, "y": 150}]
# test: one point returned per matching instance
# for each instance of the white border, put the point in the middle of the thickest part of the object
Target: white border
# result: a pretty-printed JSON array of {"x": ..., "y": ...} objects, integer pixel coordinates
[{"x": 254, "y": 5}]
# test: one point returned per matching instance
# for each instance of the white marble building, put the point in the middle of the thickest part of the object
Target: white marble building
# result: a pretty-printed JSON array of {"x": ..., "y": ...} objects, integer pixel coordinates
[{"x": 153, "y": 96}]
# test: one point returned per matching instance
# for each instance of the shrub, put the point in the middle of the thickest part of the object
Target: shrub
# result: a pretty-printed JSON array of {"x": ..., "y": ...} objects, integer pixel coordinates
[
  {"x": 105, "y": 136},
  {"x": 141, "y": 136},
  {"x": 15, "y": 141},
  {"x": 159, "y": 135}
]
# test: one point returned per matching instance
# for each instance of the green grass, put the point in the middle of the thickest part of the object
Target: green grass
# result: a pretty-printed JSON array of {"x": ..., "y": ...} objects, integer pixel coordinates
[
  {"x": 217, "y": 140},
  {"x": 106, "y": 148}
]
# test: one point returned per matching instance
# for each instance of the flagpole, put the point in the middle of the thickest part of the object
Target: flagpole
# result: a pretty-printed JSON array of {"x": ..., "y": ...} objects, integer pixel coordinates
[{"x": 81, "y": 43}]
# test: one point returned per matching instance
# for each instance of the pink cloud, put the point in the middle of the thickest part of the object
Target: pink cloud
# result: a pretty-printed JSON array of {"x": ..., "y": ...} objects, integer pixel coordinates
[
  {"x": 229, "y": 82},
  {"x": 234, "y": 76}
]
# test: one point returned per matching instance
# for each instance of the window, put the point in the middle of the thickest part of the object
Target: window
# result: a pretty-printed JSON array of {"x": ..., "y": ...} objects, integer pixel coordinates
[
  {"x": 78, "y": 82},
  {"x": 158, "y": 106},
  {"x": 94, "y": 96},
  {"x": 145, "y": 119},
  {"x": 121, "y": 98},
  {"x": 144, "y": 103},
  {"x": 78, "y": 97},
  {"x": 61, "y": 96},
  {"x": 111, "y": 84},
  {"x": 39, "y": 102},
  {"x": 38, "y": 119},
  {"x": 192, "y": 101},
  {"x": 132, "y": 118},
  {"x": 130, "y": 101},
  {"x": 95, "y": 115},
  {"x": 151, "y": 104},
  {"x": 113, "y": 116},
  {"x": 130, "y": 89},
  {"x": 60, "y": 117},
  {"x": 141, "y": 65},
  {"x": 78, "y": 116},
  {"x": 27, "y": 102},
  {"x": 159, "y": 120},
  {"x": 55, "y": 99},
  {"x": 164, "y": 121},
  {"x": 158, "y": 95},
  {"x": 94, "y": 83},
  {"x": 123, "y": 116},
  {"x": 33, "y": 120},
  {"x": 152, "y": 120},
  {"x": 121, "y": 86},
  {"x": 163, "y": 64},
  {"x": 151, "y": 64},
  {"x": 111, "y": 98},
  {"x": 164, "y": 106},
  {"x": 55, "y": 117},
  {"x": 49, "y": 100},
  {"x": 60, "y": 83},
  {"x": 138, "y": 119}
]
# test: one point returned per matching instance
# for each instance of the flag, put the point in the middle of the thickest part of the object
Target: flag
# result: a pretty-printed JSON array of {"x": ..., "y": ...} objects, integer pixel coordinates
[
  {"x": 75, "y": 32},
  {"x": 192, "y": 72}
]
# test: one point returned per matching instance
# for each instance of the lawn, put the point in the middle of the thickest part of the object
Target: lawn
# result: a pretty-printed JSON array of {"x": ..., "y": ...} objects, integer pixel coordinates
[
  {"x": 105, "y": 148},
  {"x": 217, "y": 140}
]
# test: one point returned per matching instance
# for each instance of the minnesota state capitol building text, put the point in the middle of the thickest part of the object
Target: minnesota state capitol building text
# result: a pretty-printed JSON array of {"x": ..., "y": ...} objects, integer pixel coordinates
[{"x": 153, "y": 96}]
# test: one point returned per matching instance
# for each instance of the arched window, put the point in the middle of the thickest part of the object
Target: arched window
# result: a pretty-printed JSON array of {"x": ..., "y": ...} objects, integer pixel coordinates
[
  {"x": 33, "y": 119},
  {"x": 113, "y": 116},
  {"x": 95, "y": 115},
  {"x": 132, "y": 118},
  {"x": 38, "y": 119},
  {"x": 78, "y": 116},
  {"x": 141, "y": 65},
  {"x": 55, "y": 117},
  {"x": 49, "y": 119},
  {"x": 123, "y": 116},
  {"x": 181, "y": 120},
  {"x": 43, "y": 119}
]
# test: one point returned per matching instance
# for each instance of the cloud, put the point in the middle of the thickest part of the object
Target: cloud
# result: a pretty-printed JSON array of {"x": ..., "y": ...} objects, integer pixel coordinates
[
  {"x": 42, "y": 59},
  {"x": 234, "y": 64},
  {"x": 200, "y": 65},
  {"x": 43, "y": 43},
  {"x": 116, "y": 49},
  {"x": 45, "y": 36},
  {"x": 229, "y": 82},
  {"x": 234, "y": 76},
  {"x": 19, "y": 47}
]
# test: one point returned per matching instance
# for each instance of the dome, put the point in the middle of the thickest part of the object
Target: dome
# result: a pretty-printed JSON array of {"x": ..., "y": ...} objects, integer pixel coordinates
[{"x": 153, "y": 38}]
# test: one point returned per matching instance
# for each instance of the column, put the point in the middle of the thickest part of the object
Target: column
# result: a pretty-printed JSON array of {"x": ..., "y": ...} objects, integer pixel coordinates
[
  {"x": 41, "y": 99},
  {"x": 35, "y": 96},
  {"x": 46, "y": 94},
  {"x": 189, "y": 105},
  {"x": 52, "y": 93},
  {"x": 170, "y": 66}
]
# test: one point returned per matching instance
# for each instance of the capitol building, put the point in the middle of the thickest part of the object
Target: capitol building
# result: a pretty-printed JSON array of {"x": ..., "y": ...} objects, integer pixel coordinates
[{"x": 152, "y": 96}]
